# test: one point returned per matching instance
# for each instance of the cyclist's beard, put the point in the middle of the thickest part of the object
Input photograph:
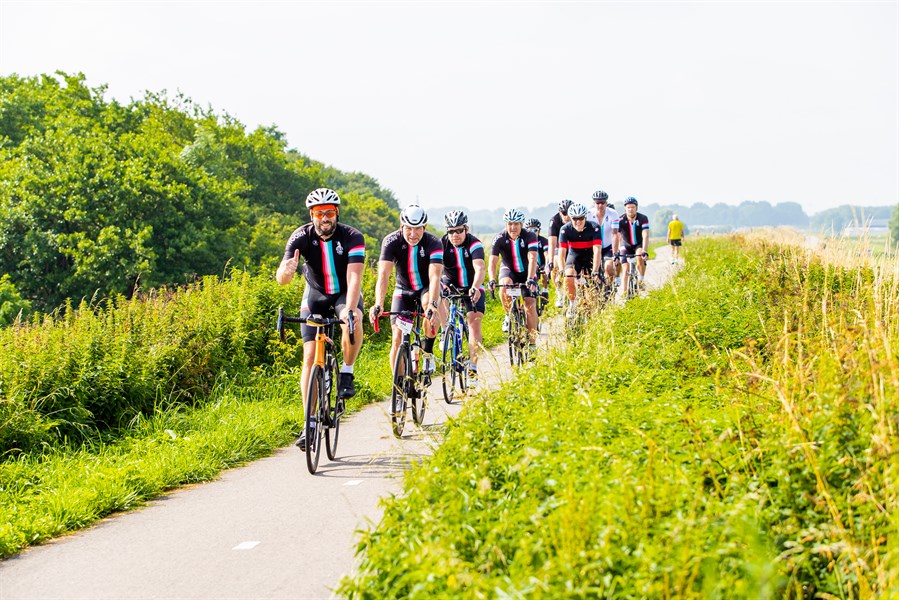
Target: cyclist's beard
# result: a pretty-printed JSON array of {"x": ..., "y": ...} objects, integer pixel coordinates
[{"x": 325, "y": 228}]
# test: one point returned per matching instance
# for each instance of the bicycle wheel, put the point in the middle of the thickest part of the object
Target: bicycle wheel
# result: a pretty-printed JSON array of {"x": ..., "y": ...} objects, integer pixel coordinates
[
  {"x": 402, "y": 375},
  {"x": 523, "y": 338},
  {"x": 418, "y": 390},
  {"x": 461, "y": 361},
  {"x": 448, "y": 364},
  {"x": 332, "y": 432},
  {"x": 314, "y": 400}
]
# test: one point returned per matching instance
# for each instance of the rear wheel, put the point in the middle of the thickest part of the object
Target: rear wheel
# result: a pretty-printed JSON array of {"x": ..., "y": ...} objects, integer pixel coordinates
[
  {"x": 314, "y": 399},
  {"x": 331, "y": 405},
  {"x": 402, "y": 375}
]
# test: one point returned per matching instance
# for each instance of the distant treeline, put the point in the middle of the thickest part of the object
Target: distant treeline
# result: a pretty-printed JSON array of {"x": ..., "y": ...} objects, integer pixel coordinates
[
  {"x": 721, "y": 216},
  {"x": 102, "y": 198}
]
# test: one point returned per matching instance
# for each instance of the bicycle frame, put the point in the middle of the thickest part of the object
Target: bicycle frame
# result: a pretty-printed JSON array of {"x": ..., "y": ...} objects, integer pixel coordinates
[{"x": 454, "y": 364}]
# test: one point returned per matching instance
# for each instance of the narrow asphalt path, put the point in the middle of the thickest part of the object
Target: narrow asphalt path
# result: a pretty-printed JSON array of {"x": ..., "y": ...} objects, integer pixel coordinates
[{"x": 266, "y": 530}]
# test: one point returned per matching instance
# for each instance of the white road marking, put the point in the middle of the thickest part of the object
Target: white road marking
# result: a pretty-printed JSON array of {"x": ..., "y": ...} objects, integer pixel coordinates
[
  {"x": 353, "y": 482},
  {"x": 245, "y": 546}
]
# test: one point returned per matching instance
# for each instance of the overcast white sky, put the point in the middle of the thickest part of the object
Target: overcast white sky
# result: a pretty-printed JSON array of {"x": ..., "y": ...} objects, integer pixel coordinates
[{"x": 520, "y": 103}]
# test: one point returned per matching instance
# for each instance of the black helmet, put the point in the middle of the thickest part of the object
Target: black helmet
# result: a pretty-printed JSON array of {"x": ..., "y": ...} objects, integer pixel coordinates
[
  {"x": 532, "y": 222},
  {"x": 455, "y": 218}
]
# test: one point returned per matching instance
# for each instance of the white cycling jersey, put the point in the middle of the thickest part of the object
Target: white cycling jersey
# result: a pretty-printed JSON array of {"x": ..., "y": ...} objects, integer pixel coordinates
[{"x": 608, "y": 226}]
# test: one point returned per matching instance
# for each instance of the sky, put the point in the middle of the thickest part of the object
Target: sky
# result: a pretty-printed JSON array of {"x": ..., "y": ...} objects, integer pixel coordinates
[{"x": 493, "y": 104}]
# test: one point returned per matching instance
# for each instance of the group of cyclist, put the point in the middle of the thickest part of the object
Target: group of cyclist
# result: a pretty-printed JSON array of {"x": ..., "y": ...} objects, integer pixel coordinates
[{"x": 426, "y": 266}]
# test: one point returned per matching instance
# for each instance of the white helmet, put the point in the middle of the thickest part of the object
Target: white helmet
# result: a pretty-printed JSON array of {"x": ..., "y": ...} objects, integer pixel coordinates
[
  {"x": 322, "y": 196},
  {"x": 414, "y": 216},
  {"x": 577, "y": 210},
  {"x": 513, "y": 215}
]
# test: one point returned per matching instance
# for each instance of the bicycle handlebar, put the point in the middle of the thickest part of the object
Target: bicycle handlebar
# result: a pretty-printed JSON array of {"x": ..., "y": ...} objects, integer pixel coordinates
[
  {"x": 399, "y": 313},
  {"x": 316, "y": 321}
]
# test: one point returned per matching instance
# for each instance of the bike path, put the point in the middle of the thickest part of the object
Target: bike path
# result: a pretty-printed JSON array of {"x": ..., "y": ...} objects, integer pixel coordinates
[{"x": 266, "y": 530}]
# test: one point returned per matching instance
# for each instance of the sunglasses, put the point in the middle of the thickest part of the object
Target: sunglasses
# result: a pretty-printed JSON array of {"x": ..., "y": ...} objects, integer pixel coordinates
[
  {"x": 318, "y": 214},
  {"x": 578, "y": 218},
  {"x": 454, "y": 231}
]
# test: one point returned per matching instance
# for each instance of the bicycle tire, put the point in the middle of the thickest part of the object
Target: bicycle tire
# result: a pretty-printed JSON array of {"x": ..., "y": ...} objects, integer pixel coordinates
[
  {"x": 462, "y": 357},
  {"x": 523, "y": 338},
  {"x": 313, "y": 425},
  {"x": 419, "y": 390},
  {"x": 399, "y": 394},
  {"x": 332, "y": 432},
  {"x": 449, "y": 371}
]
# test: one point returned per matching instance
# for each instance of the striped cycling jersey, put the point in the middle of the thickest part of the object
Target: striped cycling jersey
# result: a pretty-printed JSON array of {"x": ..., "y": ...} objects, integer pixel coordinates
[
  {"x": 632, "y": 232},
  {"x": 412, "y": 262},
  {"x": 458, "y": 261},
  {"x": 580, "y": 243},
  {"x": 542, "y": 249},
  {"x": 514, "y": 253},
  {"x": 325, "y": 261}
]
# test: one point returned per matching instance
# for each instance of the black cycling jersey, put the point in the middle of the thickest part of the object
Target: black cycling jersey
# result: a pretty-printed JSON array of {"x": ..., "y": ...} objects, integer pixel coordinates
[
  {"x": 325, "y": 261},
  {"x": 632, "y": 233},
  {"x": 542, "y": 249},
  {"x": 580, "y": 243},
  {"x": 458, "y": 261},
  {"x": 412, "y": 261},
  {"x": 555, "y": 224},
  {"x": 514, "y": 254}
]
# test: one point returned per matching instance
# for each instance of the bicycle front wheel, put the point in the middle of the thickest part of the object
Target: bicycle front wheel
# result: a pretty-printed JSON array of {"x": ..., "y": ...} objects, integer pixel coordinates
[
  {"x": 418, "y": 390},
  {"x": 402, "y": 374},
  {"x": 314, "y": 426},
  {"x": 520, "y": 336},
  {"x": 334, "y": 412},
  {"x": 447, "y": 363}
]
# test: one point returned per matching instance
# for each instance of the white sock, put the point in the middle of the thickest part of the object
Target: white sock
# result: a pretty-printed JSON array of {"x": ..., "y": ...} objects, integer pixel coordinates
[{"x": 346, "y": 368}]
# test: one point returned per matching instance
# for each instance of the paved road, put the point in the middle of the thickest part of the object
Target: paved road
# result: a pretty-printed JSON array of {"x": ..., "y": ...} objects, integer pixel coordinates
[{"x": 257, "y": 532}]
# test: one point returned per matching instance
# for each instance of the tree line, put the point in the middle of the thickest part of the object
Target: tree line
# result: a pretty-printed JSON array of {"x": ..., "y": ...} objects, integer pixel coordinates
[{"x": 103, "y": 198}]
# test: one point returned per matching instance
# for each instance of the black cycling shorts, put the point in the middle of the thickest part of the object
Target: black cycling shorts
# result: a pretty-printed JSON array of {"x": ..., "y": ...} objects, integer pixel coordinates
[
  {"x": 407, "y": 300},
  {"x": 325, "y": 305},
  {"x": 505, "y": 272},
  {"x": 581, "y": 264}
]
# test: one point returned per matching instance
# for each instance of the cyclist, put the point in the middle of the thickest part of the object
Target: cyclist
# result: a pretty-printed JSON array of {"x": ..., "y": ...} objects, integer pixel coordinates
[
  {"x": 418, "y": 256},
  {"x": 333, "y": 260},
  {"x": 464, "y": 269},
  {"x": 675, "y": 237},
  {"x": 555, "y": 225},
  {"x": 580, "y": 247},
  {"x": 514, "y": 251},
  {"x": 533, "y": 225},
  {"x": 634, "y": 230},
  {"x": 607, "y": 218}
]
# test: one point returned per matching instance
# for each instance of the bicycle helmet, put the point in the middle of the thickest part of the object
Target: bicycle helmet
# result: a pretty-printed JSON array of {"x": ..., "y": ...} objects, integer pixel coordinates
[
  {"x": 414, "y": 216},
  {"x": 599, "y": 196},
  {"x": 631, "y": 200},
  {"x": 532, "y": 222},
  {"x": 513, "y": 215},
  {"x": 455, "y": 218},
  {"x": 563, "y": 206},
  {"x": 577, "y": 210},
  {"x": 322, "y": 196}
]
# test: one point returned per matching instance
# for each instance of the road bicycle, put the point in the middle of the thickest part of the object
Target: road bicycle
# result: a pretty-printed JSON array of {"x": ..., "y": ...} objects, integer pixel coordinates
[
  {"x": 323, "y": 408},
  {"x": 454, "y": 342},
  {"x": 588, "y": 299},
  {"x": 632, "y": 285},
  {"x": 410, "y": 380},
  {"x": 519, "y": 338}
]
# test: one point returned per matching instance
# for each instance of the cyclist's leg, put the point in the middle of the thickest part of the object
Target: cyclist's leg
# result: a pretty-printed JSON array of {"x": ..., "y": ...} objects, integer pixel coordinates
[
  {"x": 474, "y": 316},
  {"x": 401, "y": 301},
  {"x": 505, "y": 278},
  {"x": 569, "y": 282},
  {"x": 346, "y": 386},
  {"x": 530, "y": 311},
  {"x": 313, "y": 303}
]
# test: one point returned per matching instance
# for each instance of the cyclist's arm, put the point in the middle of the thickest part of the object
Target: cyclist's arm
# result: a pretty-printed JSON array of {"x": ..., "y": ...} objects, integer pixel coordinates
[
  {"x": 532, "y": 264},
  {"x": 491, "y": 267},
  {"x": 435, "y": 272},
  {"x": 553, "y": 245},
  {"x": 597, "y": 256},
  {"x": 353, "y": 284},
  {"x": 288, "y": 268},
  {"x": 646, "y": 240},
  {"x": 563, "y": 255},
  {"x": 384, "y": 269},
  {"x": 480, "y": 272}
]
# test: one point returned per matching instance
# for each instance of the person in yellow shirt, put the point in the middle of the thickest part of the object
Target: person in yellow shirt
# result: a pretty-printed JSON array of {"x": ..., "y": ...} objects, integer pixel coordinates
[{"x": 675, "y": 238}]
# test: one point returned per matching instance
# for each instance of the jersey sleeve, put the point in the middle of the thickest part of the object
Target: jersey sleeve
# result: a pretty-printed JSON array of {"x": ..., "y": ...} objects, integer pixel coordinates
[
  {"x": 387, "y": 251},
  {"x": 597, "y": 236},
  {"x": 497, "y": 244},
  {"x": 476, "y": 249},
  {"x": 563, "y": 238},
  {"x": 356, "y": 244},
  {"x": 435, "y": 250},
  {"x": 295, "y": 242},
  {"x": 555, "y": 225},
  {"x": 532, "y": 242}
]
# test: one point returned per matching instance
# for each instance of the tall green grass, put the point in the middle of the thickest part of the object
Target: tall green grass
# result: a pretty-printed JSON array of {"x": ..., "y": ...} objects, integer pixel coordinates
[{"x": 732, "y": 435}]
